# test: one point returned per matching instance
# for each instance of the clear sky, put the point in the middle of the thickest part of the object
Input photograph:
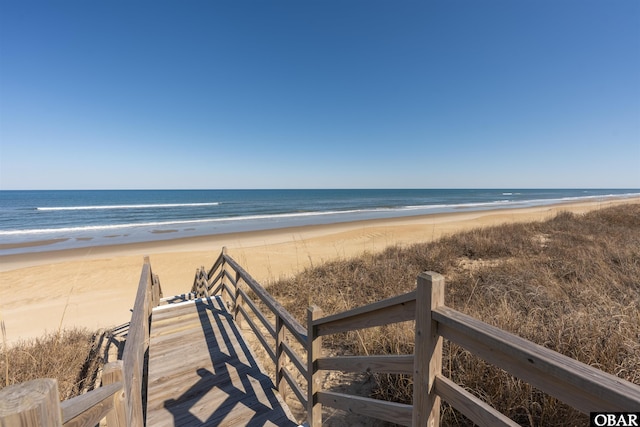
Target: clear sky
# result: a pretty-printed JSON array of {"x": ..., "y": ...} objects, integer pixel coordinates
[{"x": 319, "y": 94}]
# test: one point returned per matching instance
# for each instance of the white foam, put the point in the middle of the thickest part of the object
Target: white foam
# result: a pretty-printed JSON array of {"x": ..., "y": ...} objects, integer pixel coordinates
[
  {"x": 423, "y": 208},
  {"x": 152, "y": 206}
]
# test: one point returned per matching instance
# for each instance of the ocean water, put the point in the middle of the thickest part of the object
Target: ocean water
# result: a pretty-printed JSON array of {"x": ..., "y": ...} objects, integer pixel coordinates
[{"x": 32, "y": 221}]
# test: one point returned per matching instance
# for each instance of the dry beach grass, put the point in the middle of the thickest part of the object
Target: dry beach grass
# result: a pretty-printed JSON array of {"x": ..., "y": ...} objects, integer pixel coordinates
[
  {"x": 571, "y": 284},
  {"x": 68, "y": 356}
]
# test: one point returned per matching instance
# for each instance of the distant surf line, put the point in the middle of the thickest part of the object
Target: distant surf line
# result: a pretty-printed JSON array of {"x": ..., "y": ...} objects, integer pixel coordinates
[
  {"x": 151, "y": 206},
  {"x": 235, "y": 219},
  {"x": 166, "y": 223},
  {"x": 240, "y": 218},
  {"x": 424, "y": 208}
]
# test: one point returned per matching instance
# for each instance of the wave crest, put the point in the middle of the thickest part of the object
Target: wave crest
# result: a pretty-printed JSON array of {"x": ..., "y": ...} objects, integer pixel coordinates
[{"x": 151, "y": 206}]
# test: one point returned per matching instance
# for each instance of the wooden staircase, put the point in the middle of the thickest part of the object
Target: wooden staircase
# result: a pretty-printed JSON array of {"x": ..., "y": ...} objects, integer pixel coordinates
[{"x": 202, "y": 373}]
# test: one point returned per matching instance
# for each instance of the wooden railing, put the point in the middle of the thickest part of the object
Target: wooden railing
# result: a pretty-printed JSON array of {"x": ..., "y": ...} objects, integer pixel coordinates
[
  {"x": 279, "y": 333},
  {"x": 119, "y": 399},
  {"x": 581, "y": 386}
]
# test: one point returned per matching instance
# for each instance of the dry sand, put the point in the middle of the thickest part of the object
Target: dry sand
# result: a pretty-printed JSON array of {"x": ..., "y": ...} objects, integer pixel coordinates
[{"x": 95, "y": 287}]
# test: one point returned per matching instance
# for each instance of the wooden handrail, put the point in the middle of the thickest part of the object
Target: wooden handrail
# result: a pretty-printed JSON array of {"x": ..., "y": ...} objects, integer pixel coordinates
[
  {"x": 295, "y": 359},
  {"x": 270, "y": 351},
  {"x": 396, "y": 309},
  {"x": 89, "y": 408},
  {"x": 246, "y": 309},
  {"x": 136, "y": 346},
  {"x": 480, "y": 412},
  {"x": 398, "y": 413},
  {"x": 217, "y": 264},
  {"x": 577, "y": 384},
  {"x": 383, "y": 364},
  {"x": 263, "y": 319},
  {"x": 298, "y": 331},
  {"x": 120, "y": 396},
  {"x": 582, "y": 386},
  {"x": 297, "y": 390}
]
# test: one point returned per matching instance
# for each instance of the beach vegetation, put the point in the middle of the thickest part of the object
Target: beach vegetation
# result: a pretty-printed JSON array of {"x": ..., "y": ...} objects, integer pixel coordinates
[
  {"x": 571, "y": 284},
  {"x": 70, "y": 356}
]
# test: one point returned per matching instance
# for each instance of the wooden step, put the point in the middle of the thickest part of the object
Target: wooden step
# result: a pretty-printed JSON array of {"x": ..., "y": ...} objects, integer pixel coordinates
[
  {"x": 202, "y": 372},
  {"x": 178, "y": 298}
]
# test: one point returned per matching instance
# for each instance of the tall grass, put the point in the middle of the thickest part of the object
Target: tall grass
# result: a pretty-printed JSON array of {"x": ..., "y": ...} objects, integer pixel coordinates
[
  {"x": 70, "y": 356},
  {"x": 571, "y": 284}
]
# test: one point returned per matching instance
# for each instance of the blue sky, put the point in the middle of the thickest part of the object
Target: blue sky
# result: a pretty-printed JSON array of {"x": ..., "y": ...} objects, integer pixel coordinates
[{"x": 319, "y": 94}]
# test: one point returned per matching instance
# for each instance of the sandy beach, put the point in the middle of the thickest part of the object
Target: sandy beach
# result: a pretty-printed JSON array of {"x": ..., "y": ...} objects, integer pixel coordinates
[{"x": 95, "y": 287}]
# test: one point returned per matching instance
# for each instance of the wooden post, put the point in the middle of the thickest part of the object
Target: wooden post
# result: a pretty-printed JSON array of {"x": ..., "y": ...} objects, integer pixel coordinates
[
  {"x": 427, "y": 362},
  {"x": 204, "y": 283},
  {"x": 160, "y": 294},
  {"x": 314, "y": 351},
  {"x": 199, "y": 287},
  {"x": 194, "y": 288},
  {"x": 149, "y": 305},
  {"x": 237, "y": 302},
  {"x": 157, "y": 291},
  {"x": 135, "y": 349},
  {"x": 223, "y": 269},
  {"x": 113, "y": 373},
  {"x": 280, "y": 383},
  {"x": 30, "y": 404}
]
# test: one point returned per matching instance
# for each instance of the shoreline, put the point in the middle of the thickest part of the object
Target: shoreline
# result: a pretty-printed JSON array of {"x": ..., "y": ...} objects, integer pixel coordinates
[
  {"x": 95, "y": 287},
  {"x": 196, "y": 243},
  {"x": 29, "y": 234}
]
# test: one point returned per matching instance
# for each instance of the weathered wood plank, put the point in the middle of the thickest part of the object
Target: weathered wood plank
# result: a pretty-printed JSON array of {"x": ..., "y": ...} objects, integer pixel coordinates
[
  {"x": 314, "y": 351},
  {"x": 258, "y": 333},
  {"x": 206, "y": 374},
  {"x": 216, "y": 282},
  {"x": 231, "y": 279},
  {"x": 296, "y": 329},
  {"x": 397, "y": 413},
  {"x": 217, "y": 290},
  {"x": 295, "y": 387},
  {"x": 391, "y": 310},
  {"x": 427, "y": 363},
  {"x": 178, "y": 298},
  {"x": 280, "y": 356},
  {"x": 218, "y": 262},
  {"x": 231, "y": 292},
  {"x": 473, "y": 408},
  {"x": 263, "y": 319},
  {"x": 172, "y": 311},
  {"x": 157, "y": 290},
  {"x": 112, "y": 373},
  {"x": 207, "y": 385},
  {"x": 89, "y": 408},
  {"x": 581, "y": 386},
  {"x": 31, "y": 404},
  {"x": 295, "y": 359},
  {"x": 136, "y": 346},
  {"x": 385, "y": 364}
]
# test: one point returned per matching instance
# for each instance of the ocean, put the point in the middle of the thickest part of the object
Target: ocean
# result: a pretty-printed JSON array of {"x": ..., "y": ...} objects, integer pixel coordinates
[{"x": 32, "y": 221}]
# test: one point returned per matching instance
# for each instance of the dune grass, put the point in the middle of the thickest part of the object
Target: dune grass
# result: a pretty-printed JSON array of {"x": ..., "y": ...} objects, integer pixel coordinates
[
  {"x": 68, "y": 356},
  {"x": 571, "y": 284}
]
